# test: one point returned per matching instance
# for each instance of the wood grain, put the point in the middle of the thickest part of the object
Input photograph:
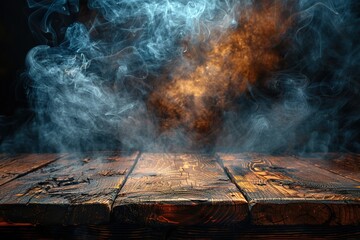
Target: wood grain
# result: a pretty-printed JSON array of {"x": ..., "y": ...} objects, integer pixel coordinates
[
  {"x": 287, "y": 191},
  {"x": 181, "y": 189},
  {"x": 14, "y": 166},
  {"x": 71, "y": 190},
  {"x": 346, "y": 165}
]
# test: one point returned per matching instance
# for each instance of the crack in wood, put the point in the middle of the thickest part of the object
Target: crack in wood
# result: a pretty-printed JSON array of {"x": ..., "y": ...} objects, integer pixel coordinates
[{"x": 180, "y": 189}]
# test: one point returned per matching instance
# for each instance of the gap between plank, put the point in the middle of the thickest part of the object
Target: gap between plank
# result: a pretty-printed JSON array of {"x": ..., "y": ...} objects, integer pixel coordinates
[
  {"x": 125, "y": 180},
  {"x": 33, "y": 169},
  {"x": 230, "y": 176}
]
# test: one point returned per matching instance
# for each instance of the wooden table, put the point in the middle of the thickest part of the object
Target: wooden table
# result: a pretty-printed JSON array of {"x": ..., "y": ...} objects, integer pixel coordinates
[{"x": 106, "y": 190}]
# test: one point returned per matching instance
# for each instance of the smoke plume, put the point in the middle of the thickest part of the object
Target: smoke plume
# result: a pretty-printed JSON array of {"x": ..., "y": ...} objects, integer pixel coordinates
[{"x": 177, "y": 75}]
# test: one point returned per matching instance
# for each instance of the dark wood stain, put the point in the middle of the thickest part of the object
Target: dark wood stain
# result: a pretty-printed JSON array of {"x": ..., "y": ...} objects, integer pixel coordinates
[
  {"x": 346, "y": 165},
  {"x": 71, "y": 190},
  {"x": 287, "y": 191},
  {"x": 179, "y": 189},
  {"x": 172, "y": 191},
  {"x": 12, "y": 167}
]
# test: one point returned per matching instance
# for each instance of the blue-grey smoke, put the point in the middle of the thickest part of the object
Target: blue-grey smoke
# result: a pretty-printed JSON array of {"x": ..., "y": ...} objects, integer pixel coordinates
[
  {"x": 88, "y": 90},
  {"x": 316, "y": 108}
]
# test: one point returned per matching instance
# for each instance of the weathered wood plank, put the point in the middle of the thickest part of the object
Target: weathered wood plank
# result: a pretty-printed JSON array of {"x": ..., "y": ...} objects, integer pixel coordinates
[
  {"x": 179, "y": 189},
  {"x": 288, "y": 191},
  {"x": 71, "y": 190},
  {"x": 346, "y": 165},
  {"x": 14, "y": 166}
]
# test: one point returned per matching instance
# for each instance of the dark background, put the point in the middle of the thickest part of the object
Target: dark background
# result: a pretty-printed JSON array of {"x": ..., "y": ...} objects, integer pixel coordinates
[
  {"x": 16, "y": 40},
  {"x": 17, "y": 36}
]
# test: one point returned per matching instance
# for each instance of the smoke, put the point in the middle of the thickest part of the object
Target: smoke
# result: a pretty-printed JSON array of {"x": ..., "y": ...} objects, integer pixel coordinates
[
  {"x": 316, "y": 91},
  {"x": 93, "y": 85}
]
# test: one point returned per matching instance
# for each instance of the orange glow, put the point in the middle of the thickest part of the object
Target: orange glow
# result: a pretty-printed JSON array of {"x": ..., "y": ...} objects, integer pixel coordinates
[{"x": 214, "y": 72}]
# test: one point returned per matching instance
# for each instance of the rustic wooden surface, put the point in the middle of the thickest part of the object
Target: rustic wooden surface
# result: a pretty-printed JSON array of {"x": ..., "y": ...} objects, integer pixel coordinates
[
  {"x": 287, "y": 191},
  {"x": 179, "y": 189},
  {"x": 346, "y": 165},
  {"x": 71, "y": 190},
  {"x": 14, "y": 166}
]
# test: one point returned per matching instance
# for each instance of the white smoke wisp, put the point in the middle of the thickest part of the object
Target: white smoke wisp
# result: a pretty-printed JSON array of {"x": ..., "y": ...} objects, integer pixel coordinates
[{"x": 89, "y": 91}]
